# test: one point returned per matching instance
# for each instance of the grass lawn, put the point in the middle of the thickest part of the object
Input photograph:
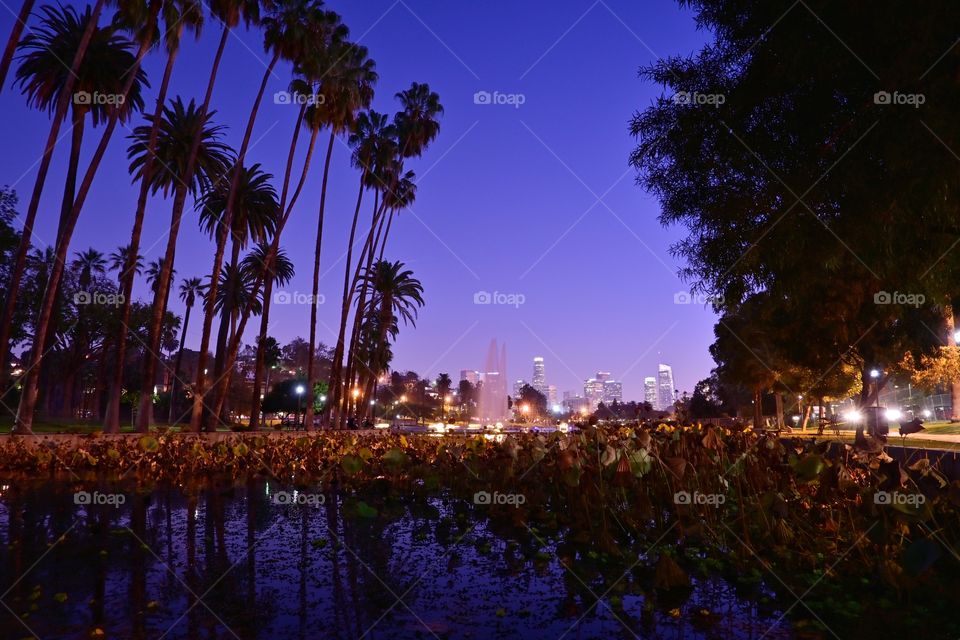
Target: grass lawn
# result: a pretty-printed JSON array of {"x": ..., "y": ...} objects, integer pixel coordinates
[
  {"x": 915, "y": 441},
  {"x": 66, "y": 426},
  {"x": 942, "y": 427}
]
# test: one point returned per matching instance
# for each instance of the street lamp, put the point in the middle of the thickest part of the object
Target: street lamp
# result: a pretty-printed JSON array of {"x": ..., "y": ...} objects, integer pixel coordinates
[
  {"x": 300, "y": 389},
  {"x": 446, "y": 401}
]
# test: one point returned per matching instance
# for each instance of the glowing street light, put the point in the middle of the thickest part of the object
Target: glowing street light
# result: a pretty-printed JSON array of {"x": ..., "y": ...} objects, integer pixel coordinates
[
  {"x": 300, "y": 389},
  {"x": 446, "y": 401}
]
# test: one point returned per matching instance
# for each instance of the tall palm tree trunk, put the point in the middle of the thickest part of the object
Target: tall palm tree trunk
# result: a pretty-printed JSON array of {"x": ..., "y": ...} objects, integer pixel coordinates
[
  {"x": 315, "y": 291},
  {"x": 20, "y": 260},
  {"x": 234, "y": 348},
  {"x": 73, "y": 167},
  {"x": 152, "y": 351},
  {"x": 176, "y": 365},
  {"x": 66, "y": 205},
  {"x": 28, "y": 398},
  {"x": 196, "y": 419},
  {"x": 220, "y": 374},
  {"x": 112, "y": 417},
  {"x": 338, "y": 393},
  {"x": 386, "y": 234},
  {"x": 14, "y": 40},
  {"x": 366, "y": 256},
  {"x": 386, "y": 311},
  {"x": 268, "y": 287}
]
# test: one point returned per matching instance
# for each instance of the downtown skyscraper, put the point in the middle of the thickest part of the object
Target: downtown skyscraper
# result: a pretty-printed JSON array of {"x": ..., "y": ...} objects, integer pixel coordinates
[
  {"x": 539, "y": 380},
  {"x": 650, "y": 391},
  {"x": 665, "y": 390}
]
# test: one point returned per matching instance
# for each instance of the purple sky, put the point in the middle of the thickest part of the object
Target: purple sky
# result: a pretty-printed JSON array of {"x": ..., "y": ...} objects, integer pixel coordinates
[{"x": 535, "y": 200}]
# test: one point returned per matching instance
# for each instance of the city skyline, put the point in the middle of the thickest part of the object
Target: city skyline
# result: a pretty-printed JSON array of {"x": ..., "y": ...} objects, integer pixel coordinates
[{"x": 602, "y": 387}]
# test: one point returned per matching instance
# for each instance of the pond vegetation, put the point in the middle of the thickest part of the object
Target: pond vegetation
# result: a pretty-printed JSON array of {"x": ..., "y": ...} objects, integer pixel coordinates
[{"x": 647, "y": 530}]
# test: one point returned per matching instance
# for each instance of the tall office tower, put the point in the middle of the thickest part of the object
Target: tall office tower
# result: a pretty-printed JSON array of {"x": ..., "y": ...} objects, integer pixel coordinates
[
  {"x": 569, "y": 394},
  {"x": 650, "y": 391},
  {"x": 518, "y": 387},
  {"x": 593, "y": 392},
  {"x": 576, "y": 404},
  {"x": 470, "y": 375},
  {"x": 551, "y": 395},
  {"x": 665, "y": 393},
  {"x": 539, "y": 376},
  {"x": 603, "y": 376},
  {"x": 612, "y": 392}
]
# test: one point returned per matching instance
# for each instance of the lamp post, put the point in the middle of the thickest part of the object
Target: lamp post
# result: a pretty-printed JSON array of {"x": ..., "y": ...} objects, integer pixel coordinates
[
  {"x": 874, "y": 380},
  {"x": 443, "y": 415},
  {"x": 300, "y": 389}
]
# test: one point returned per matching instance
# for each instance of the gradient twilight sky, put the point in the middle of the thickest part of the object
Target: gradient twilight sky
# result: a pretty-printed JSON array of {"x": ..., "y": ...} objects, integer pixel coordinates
[{"x": 536, "y": 200}]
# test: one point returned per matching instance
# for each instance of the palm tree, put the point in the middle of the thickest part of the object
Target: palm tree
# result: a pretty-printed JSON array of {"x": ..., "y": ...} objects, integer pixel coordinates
[
  {"x": 14, "y": 40},
  {"x": 415, "y": 126},
  {"x": 154, "y": 272},
  {"x": 131, "y": 77},
  {"x": 178, "y": 16},
  {"x": 278, "y": 270},
  {"x": 372, "y": 140},
  {"x": 347, "y": 76},
  {"x": 400, "y": 193},
  {"x": 289, "y": 31},
  {"x": 231, "y": 13},
  {"x": 118, "y": 262},
  {"x": 179, "y": 127},
  {"x": 190, "y": 289},
  {"x": 51, "y": 86},
  {"x": 255, "y": 217},
  {"x": 88, "y": 264},
  {"x": 396, "y": 295}
]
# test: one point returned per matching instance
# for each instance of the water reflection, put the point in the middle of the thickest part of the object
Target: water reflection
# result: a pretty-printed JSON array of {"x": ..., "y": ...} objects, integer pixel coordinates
[{"x": 237, "y": 561}]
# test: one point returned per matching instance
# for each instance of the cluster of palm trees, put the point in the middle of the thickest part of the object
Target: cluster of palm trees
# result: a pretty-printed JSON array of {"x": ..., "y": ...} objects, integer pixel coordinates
[{"x": 179, "y": 152}]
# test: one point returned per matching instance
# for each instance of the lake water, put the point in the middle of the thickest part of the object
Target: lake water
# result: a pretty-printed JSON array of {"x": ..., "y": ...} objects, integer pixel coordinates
[{"x": 262, "y": 561}]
